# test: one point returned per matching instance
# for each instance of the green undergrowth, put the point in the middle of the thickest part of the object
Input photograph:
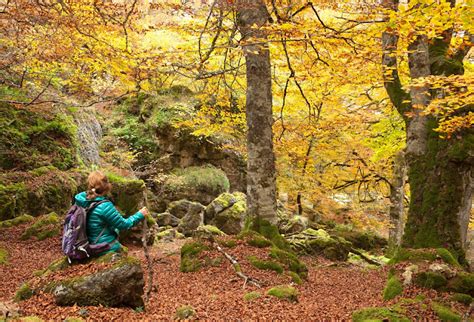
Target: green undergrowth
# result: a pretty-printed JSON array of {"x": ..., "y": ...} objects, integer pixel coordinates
[
  {"x": 285, "y": 292},
  {"x": 16, "y": 221},
  {"x": 266, "y": 265},
  {"x": 23, "y": 293},
  {"x": 269, "y": 231},
  {"x": 445, "y": 313},
  {"x": 251, "y": 296},
  {"x": 393, "y": 288},
  {"x": 185, "y": 312},
  {"x": 295, "y": 278},
  {"x": 379, "y": 314},
  {"x": 462, "y": 298},
  {"x": 290, "y": 260},
  {"x": 423, "y": 254},
  {"x": 430, "y": 280},
  {"x": 3, "y": 256},
  {"x": 205, "y": 178},
  {"x": 254, "y": 239},
  {"x": 462, "y": 283},
  {"x": 44, "y": 227},
  {"x": 190, "y": 252}
]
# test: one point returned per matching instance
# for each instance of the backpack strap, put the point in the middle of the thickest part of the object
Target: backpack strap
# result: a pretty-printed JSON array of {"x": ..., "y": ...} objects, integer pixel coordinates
[{"x": 90, "y": 209}]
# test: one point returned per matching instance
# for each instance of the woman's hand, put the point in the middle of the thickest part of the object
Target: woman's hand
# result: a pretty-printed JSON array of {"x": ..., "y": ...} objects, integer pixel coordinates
[{"x": 145, "y": 212}]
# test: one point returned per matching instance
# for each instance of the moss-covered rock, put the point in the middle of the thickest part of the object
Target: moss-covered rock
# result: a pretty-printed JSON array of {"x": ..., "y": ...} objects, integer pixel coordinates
[
  {"x": 445, "y": 313},
  {"x": 30, "y": 139},
  {"x": 447, "y": 257},
  {"x": 462, "y": 283},
  {"x": 3, "y": 256},
  {"x": 190, "y": 261},
  {"x": 295, "y": 278},
  {"x": 251, "y": 296},
  {"x": 361, "y": 239},
  {"x": 127, "y": 193},
  {"x": 185, "y": 312},
  {"x": 269, "y": 231},
  {"x": 201, "y": 184},
  {"x": 192, "y": 220},
  {"x": 44, "y": 227},
  {"x": 230, "y": 211},
  {"x": 379, "y": 314},
  {"x": 430, "y": 280},
  {"x": 285, "y": 292},
  {"x": 295, "y": 224},
  {"x": 462, "y": 298},
  {"x": 255, "y": 239},
  {"x": 168, "y": 235},
  {"x": 205, "y": 231},
  {"x": 266, "y": 265},
  {"x": 319, "y": 242},
  {"x": 392, "y": 289},
  {"x": 16, "y": 221},
  {"x": 290, "y": 260},
  {"x": 413, "y": 255}
]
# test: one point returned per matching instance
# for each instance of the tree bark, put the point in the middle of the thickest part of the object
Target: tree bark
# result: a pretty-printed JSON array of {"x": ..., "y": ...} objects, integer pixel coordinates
[
  {"x": 261, "y": 181},
  {"x": 397, "y": 195}
]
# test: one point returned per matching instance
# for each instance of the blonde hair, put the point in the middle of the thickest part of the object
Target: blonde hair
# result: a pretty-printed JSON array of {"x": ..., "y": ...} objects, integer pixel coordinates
[{"x": 97, "y": 185}]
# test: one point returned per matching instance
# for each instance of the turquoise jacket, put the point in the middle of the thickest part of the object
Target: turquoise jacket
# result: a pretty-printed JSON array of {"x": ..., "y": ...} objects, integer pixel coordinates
[{"x": 106, "y": 215}]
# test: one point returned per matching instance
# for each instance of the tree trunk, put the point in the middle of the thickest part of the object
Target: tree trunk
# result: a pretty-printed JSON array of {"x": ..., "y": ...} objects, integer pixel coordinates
[
  {"x": 439, "y": 170},
  {"x": 397, "y": 195},
  {"x": 261, "y": 181}
]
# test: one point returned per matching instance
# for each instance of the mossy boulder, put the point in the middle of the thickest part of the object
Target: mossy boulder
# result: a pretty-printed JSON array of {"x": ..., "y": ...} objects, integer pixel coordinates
[
  {"x": 206, "y": 231},
  {"x": 285, "y": 292},
  {"x": 166, "y": 219},
  {"x": 16, "y": 221},
  {"x": 44, "y": 227},
  {"x": 379, "y": 314},
  {"x": 180, "y": 208},
  {"x": 462, "y": 283},
  {"x": 120, "y": 285},
  {"x": 255, "y": 239},
  {"x": 290, "y": 260},
  {"x": 222, "y": 202},
  {"x": 190, "y": 256},
  {"x": 462, "y": 298},
  {"x": 392, "y": 289},
  {"x": 295, "y": 224},
  {"x": 201, "y": 184},
  {"x": 265, "y": 265},
  {"x": 415, "y": 255},
  {"x": 231, "y": 219},
  {"x": 360, "y": 239},
  {"x": 185, "y": 312},
  {"x": 127, "y": 193},
  {"x": 30, "y": 139},
  {"x": 192, "y": 220},
  {"x": 430, "y": 280},
  {"x": 319, "y": 242},
  {"x": 169, "y": 234}
]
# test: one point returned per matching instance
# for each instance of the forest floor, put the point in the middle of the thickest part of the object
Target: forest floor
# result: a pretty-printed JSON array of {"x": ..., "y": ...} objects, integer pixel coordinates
[{"x": 332, "y": 291}]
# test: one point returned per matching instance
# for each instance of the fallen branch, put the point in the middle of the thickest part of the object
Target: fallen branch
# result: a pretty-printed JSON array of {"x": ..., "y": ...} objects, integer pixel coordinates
[{"x": 236, "y": 266}]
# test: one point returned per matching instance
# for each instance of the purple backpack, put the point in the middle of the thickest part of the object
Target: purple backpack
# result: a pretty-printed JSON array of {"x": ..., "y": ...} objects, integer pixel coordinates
[{"x": 75, "y": 243}]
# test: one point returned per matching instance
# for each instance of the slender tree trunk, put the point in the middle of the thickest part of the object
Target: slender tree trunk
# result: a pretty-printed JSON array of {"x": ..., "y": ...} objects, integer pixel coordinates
[
  {"x": 261, "y": 181},
  {"x": 397, "y": 194}
]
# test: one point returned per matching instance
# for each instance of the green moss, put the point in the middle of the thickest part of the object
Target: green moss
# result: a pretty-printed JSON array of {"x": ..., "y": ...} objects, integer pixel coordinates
[
  {"x": 207, "y": 178},
  {"x": 46, "y": 226},
  {"x": 3, "y": 256},
  {"x": 30, "y": 319},
  {"x": 23, "y": 293},
  {"x": 462, "y": 298},
  {"x": 284, "y": 292},
  {"x": 445, "y": 313},
  {"x": 462, "y": 283},
  {"x": 228, "y": 243},
  {"x": 393, "y": 288},
  {"x": 267, "y": 265},
  {"x": 430, "y": 280},
  {"x": 447, "y": 257},
  {"x": 362, "y": 240},
  {"x": 259, "y": 241},
  {"x": 185, "y": 312},
  {"x": 290, "y": 260},
  {"x": 412, "y": 255},
  {"x": 379, "y": 314},
  {"x": 13, "y": 199},
  {"x": 237, "y": 268},
  {"x": 250, "y": 296},
  {"x": 210, "y": 230},
  {"x": 269, "y": 231},
  {"x": 127, "y": 193},
  {"x": 189, "y": 256},
  {"x": 16, "y": 221},
  {"x": 295, "y": 278}
]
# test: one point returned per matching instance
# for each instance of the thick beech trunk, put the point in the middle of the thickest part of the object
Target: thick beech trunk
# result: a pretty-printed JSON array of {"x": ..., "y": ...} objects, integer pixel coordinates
[
  {"x": 261, "y": 183},
  {"x": 439, "y": 170}
]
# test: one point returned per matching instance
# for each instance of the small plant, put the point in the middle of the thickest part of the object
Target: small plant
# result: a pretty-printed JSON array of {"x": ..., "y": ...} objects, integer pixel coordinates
[
  {"x": 251, "y": 296},
  {"x": 393, "y": 288},
  {"x": 284, "y": 292},
  {"x": 185, "y": 312}
]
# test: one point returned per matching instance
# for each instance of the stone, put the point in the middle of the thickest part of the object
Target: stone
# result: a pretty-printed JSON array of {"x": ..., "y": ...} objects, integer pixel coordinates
[
  {"x": 443, "y": 269},
  {"x": 120, "y": 285},
  {"x": 222, "y": 202},
  {"x": 180, "y": 208},
  {"x": 408, "y": 274},
  {"x": 169, "y": 234},
  {"x": 166, "y": 219},
  {"x": 191, "y": 221},
  {"x": 231, "y": 219},
  {"x": 296, "y": 224}
]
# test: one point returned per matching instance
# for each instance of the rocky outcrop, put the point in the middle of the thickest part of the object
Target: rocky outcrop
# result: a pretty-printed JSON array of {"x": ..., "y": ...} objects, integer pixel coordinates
[
  {"x": 227, "y": 212},
  {"x": 89, "y": 134},
  {"x": 192, "y": 220},
  {"x": 121, "y": 285}
]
